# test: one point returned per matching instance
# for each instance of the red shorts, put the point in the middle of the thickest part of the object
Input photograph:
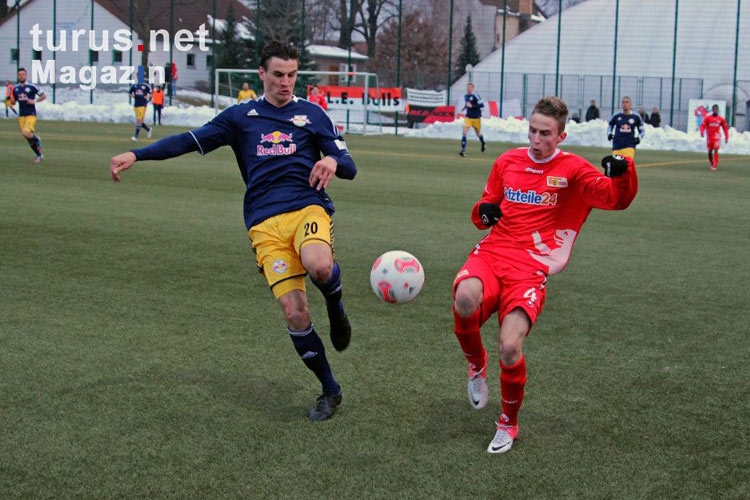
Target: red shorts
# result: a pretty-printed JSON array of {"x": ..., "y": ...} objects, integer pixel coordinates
[
  {"x": 505, "y": 287},
  {"x": 713, "y": 144}
]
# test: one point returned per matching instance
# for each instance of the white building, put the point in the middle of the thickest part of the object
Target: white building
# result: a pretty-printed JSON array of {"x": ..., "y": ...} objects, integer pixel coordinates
[
  {"x": 703, "y": 59},
  {"x": 104, "y": 25}
]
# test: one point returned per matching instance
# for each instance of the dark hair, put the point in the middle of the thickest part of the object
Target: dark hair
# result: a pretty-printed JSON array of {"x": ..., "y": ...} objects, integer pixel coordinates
[
  {"x": 554, "y": 108},
  {"x": 282, "y": 50},
  {"x": 22, "y": 69}
]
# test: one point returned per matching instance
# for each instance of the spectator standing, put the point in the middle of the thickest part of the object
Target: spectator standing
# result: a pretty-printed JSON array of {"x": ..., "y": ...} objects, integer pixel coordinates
[
  {"x": 157, "y": 99},
  {"x": 592, "y": 113},
  {"x": 655, "y": 117}
]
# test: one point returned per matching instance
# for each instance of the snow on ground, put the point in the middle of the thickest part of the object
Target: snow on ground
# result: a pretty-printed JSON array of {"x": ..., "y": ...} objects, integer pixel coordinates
[{"x": 73, "y": 104}]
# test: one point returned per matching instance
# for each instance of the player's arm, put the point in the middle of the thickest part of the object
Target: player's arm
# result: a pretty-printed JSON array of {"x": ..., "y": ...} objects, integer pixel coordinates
[
  {"x": 336, "y": 161},
  {"x": 702, "y": 128},
  {"x": 205, "y": 139},
  {"x": 611, "y": 128},
  {"x": 486, "y": 212},
  {"x": 614, "y": 189},
  {"x": 40, "y": 97},
  {"x": 726, "y": 130}
]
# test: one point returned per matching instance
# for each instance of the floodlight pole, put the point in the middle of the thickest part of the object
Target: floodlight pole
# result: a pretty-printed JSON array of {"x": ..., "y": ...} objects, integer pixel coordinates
[
  {"x": 557, "y": 62},
  {"x": 213, "y": 45},
  {"x": 18, "y": 34},
  {"x": 674, "y": 63},
  {"x": 91, "y": 54},
  {"x": 171, "y": 61},
  {"x": 614, "y": 58},
  {"x": 502, "y": 62},
  {"x": 54, "y": 42},
  {"x": 398, "y": 59},
  {"x": 734, "y": 78},
  {"x": 450, "y": 51}
]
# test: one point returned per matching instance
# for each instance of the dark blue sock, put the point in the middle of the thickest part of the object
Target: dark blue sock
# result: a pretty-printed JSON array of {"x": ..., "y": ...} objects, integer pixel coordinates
[
  {"x": 137, "y": 130},
  {"x": 463, "y": 143},
  {"x": 332, "y": 291},
  {"x": 310, "y": 348},
  {"x": 481, "y": 139}
]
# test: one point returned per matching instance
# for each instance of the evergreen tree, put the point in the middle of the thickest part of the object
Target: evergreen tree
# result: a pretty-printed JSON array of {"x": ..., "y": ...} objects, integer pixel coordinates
[{"x": 469, "y": 54}]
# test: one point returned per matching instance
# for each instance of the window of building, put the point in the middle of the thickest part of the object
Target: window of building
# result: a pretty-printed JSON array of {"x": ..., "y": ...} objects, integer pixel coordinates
[
  {"x": 36, "y": 55},
  {"x": 13, "y": 55},
  {"x": 94, "y": 56},
  {"x": 209, "y": 61},
  {"x": 191, "y": 60},
  {"x": 117, "y": 56}
]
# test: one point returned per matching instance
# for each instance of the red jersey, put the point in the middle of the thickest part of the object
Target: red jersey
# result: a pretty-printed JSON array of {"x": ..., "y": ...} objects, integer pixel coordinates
[
  {"x": 319, "y": 99},
  {"x": 544, "y": 204},
  {"x": 714, "y": 125}
]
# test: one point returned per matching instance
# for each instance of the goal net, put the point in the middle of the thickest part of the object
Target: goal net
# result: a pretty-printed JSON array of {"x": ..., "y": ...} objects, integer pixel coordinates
[{"x": 355, "y": 101}]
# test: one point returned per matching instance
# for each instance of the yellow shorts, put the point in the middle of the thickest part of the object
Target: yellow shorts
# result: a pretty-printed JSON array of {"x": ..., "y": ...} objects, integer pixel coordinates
[
  {"x": 27, "y": 124},
  {"x": 7, "y": 103},
  {"x": 629, "y": 152},
  {"x": 140, "y": 112},
  {"x": 277, "y": 243},
  {"x": 475, "y": 123}
]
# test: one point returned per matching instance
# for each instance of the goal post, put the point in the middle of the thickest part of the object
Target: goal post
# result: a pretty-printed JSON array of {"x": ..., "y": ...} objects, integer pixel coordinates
[{"x": 354, "y": 101}]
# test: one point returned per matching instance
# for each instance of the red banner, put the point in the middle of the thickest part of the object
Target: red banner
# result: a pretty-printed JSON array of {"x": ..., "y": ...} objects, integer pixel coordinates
[
  {"x": 430, "y": 114},
  {"x": 382, "y": 98}
]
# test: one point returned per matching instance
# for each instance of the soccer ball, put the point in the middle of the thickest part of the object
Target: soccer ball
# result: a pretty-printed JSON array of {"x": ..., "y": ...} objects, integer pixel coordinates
[{"x": 397, "y": 277}]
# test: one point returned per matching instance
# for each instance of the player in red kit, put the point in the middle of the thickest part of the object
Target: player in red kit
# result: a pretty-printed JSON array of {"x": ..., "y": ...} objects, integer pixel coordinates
[
  {"x": 318, "y": 98},
  {"x": 714, "y": 124},
  {"x": 535, "y": 201}
]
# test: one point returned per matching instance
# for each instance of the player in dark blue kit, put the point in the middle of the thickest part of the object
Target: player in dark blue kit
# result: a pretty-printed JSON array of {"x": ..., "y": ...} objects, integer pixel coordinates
[
  {"x": 141, "y": 94},
  {"x": 27, "y": 96},
  {"x": 625, "y": 130},
  {"x": 473, "y": 107},
  {"x": 288, "y": 151}
]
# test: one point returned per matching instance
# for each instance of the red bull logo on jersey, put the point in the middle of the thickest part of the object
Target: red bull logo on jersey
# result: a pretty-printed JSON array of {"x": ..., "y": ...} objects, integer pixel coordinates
[
  {"x": 530, "y": 197},
  {"x": 276, "y": 148}
]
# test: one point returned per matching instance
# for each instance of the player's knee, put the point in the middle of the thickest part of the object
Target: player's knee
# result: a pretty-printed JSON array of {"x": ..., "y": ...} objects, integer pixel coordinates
[
  {"x": 510, "y": 352},
  {"x": 466, "y": 302},
  {"x": 320, "y": 270},
  {"x": 297, "y": 317}
]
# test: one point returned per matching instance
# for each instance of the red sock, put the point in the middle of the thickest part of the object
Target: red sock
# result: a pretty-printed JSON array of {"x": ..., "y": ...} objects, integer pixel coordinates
[
  {"x": 512, "y": 383},
  {"x": 467, "y": 332},
  {"x": 716, "y": 159}
]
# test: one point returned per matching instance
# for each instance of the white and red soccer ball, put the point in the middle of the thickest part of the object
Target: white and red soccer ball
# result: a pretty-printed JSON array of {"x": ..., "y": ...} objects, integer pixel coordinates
[{"x": 397, "y": 277}]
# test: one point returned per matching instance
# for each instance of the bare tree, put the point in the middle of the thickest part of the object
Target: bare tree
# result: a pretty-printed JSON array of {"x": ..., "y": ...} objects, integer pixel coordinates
[{"x": 423, "y": 63}]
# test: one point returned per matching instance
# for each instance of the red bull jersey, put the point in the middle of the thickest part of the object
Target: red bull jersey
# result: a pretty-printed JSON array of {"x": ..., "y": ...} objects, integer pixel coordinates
[
  {"x": 276, "y": 149},
  {"x": 22, "y": 93},
  {"x": 140, "y": 92},
  {"x": 544, "y": 204},
  {"x": 625, "y": 129}
]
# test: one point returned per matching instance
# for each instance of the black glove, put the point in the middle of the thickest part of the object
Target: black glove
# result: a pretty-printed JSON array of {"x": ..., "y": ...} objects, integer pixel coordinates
[
  {"x": 610, "y": 137},
  {"x": 614, "y": 165},
  {"x": 637, "y": 140},
  {"x": 490, "y": 213}
]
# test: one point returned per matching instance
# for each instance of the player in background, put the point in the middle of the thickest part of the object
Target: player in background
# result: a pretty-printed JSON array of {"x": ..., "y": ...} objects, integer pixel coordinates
[
  {"x": 9, "y": 99},
  {"x": 27, "y": 95},
  {"x": 157, "y": 100},
  {"x": 711, "y": 128},
  {"x": 246, "y": 93},
  {"x": 534, "y": 203},
  {"x": 141, "y": 94},
  {"x": 318, "y": 98},
  {"x": 625, "y": 130},
  {"x": 288, "y": 152},
  {"x": 473, "y": 107}
]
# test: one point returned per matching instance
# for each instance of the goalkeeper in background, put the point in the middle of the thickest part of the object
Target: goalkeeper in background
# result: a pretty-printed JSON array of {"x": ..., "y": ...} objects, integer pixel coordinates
[
  {"x": 534, "y": 204},
  {"x": 625, "y": 130}
]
